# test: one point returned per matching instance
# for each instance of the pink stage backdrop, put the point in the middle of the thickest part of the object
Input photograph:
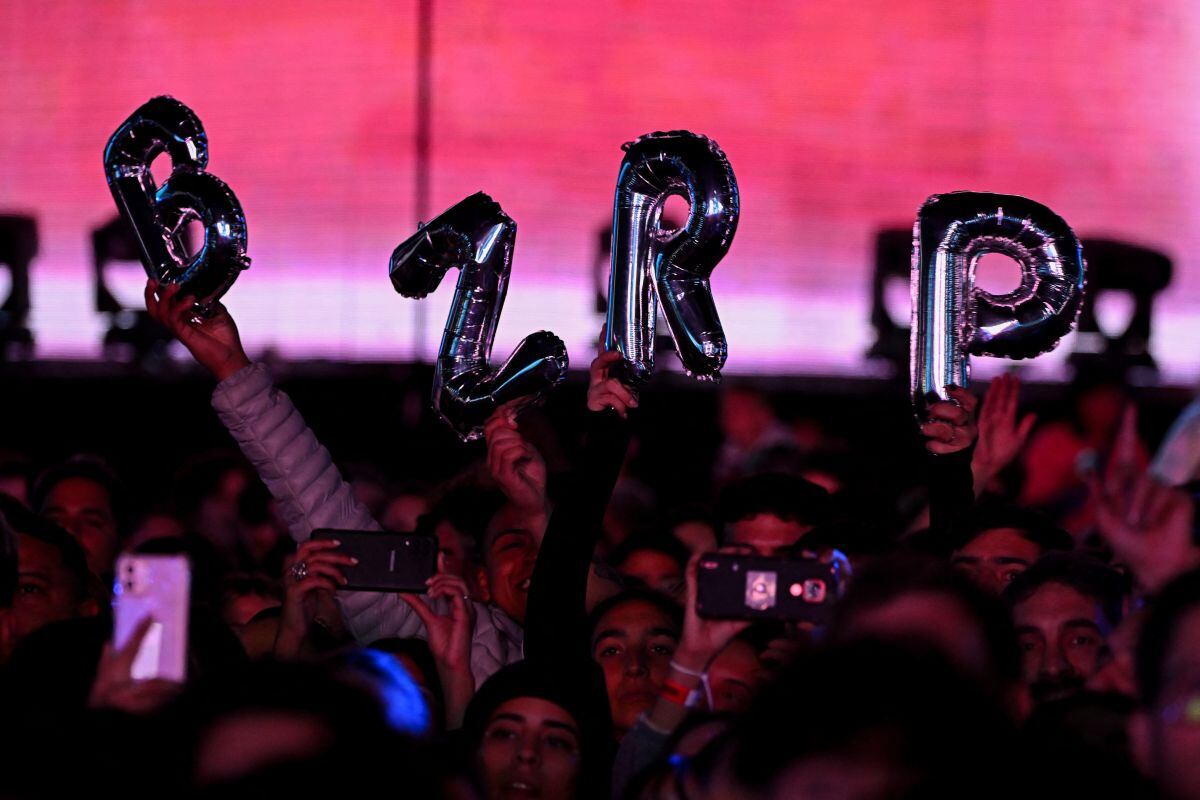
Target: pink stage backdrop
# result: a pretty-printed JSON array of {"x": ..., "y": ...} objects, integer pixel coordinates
[{"x": 838, "y": 117}]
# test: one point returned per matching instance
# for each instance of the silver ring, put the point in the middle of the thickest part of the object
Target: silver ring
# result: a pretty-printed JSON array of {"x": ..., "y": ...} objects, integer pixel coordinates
[{"x": 299, "y": 571}]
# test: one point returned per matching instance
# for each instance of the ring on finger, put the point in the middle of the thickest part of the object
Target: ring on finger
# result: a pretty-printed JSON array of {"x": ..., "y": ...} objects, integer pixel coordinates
[{"x": 299, "y": 571}]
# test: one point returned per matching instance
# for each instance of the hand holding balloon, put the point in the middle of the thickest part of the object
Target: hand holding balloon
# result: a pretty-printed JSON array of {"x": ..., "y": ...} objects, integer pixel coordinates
[
  {"x": 158, "y": 215},
  {"x": 650, "y": 261},
  {"x": 477, "y": 238},
  {"x": 952, "y": 319},
  {"x": 212, "y": 340}
]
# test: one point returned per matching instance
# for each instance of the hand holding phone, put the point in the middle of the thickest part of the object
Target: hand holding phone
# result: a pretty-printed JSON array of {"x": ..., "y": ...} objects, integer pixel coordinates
[
  {"x": 151, "y": 596},
  {"x": 386, "y": 562},
  {"x": 753, "y": 588}
]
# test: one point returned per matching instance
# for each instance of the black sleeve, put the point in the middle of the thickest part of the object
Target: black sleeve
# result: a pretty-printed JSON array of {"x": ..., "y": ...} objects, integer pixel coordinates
[
  {"x": 951, "y": 493},
  {"x": 556, "y": 616}
]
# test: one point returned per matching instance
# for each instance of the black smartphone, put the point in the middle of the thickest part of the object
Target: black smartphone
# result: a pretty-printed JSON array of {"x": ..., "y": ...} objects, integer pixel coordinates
[
  {"x": 732, "y": 586},
  {"x": 387, "y": 562}
]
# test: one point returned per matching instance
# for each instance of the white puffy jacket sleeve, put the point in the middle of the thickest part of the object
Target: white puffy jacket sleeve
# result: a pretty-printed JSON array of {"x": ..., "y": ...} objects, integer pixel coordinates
[{"x": 311, "y": 494}]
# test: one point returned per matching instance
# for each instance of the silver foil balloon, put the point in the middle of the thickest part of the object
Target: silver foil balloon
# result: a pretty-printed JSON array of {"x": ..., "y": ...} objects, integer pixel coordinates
[
  {"x": 477, "y": 238},
  {"x": 158, "y": 215},
  {"x": 653, "y": 263},
  {"x": 953, "y": 320}
]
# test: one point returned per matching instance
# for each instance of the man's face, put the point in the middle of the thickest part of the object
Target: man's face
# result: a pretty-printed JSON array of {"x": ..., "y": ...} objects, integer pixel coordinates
[
  {"x": 1062, "y": 634},
  {"x": 993, "y": 558},
  {"x": 1166, "y": 738},
  {"x": 44, "y": 590},
  {"x": 509, "y": 553},
  {"x": 530, "y": 748},
  {"x": 765, "y": 535},
  {"x": 84, "y": 509},
  {"x": 633, "y": 644}
]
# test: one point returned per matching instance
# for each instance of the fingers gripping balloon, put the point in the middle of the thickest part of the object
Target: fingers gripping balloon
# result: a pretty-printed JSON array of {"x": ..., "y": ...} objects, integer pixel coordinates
[
  {"x": 477, "y": 238},
  {"x": 159, "y": 215},
  {"x": 953, "y": 320},
  {"x": 674, "y": 265}
]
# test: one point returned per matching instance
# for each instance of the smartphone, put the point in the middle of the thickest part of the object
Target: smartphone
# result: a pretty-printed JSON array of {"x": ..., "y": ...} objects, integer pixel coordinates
[
  {"x": 732, "y": 586},
  {"x": 387, "y": 562},
  {"x": 158, "y": 587}
]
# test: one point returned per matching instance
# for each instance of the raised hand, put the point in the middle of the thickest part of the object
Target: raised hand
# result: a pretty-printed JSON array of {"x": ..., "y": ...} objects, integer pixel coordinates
[
  {"x": 1147, "y": 525},
  {"x": 313, "y": 569},
  {"x": 213, "y": 341},
  {"x": 449, "y": 640},
  {"x": 702, "y": 639},
  {"x": 514, "y": 463},
  {"x": 115, "y": 687},
  {"x": 605, "y": 390},
  {"x": 1001, "y": 437},
  {"x": 951, "y": 426}
]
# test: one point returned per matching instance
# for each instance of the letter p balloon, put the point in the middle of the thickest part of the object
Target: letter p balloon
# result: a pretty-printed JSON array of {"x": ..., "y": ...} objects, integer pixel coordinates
[{"x": 953, "y": 319}]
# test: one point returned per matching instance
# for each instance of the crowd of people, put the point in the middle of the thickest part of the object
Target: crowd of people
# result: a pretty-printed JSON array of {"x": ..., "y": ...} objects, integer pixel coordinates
[{"x": 1030, "y": 626}]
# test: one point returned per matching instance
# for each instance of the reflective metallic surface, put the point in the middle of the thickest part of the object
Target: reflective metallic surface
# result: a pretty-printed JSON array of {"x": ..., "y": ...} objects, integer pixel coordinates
[
  {"x": 158, "y": 215},
  {"x": 952, "y": 319},
  {"x": 651, "y": 261},
  {"x": 477, "y": 238}
]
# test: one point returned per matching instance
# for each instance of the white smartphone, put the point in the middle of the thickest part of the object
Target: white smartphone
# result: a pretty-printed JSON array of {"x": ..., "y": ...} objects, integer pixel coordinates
[{"x": 158, "y": 587}]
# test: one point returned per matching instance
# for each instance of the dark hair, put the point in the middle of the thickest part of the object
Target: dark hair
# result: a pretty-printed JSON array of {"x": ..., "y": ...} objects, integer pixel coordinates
[
  {"x": 637, "y": 594},
  {"x": 883, "y": 581},
  {"x": 1082, "y": 572},
  {"x": 784, "y": 496},
  {"x": 1177, "y": 599},
  {"x": 21, "y": 521},
  {"x": 908, "y": 704},
  {"x": 468, "y": 508},
  {"x": 657, "y": 542},
  {"x": 1031, "y": 525},
  {"x": 90, "y": 468}
]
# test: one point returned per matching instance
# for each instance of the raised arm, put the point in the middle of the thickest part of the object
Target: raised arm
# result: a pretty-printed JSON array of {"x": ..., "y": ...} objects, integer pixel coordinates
[
  {"x": 297, "y": 470},
  {"x": 556, "y": 619},
  {"x": 950, "y": 436}
]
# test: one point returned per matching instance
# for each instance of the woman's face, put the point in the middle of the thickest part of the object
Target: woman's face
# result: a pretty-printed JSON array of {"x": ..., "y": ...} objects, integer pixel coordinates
[
  {"x": 633, "y": 644},
  {"x": 530, "y": 749}
]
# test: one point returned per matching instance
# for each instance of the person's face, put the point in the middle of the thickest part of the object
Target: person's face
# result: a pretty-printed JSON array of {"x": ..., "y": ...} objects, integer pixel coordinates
[
  {"x": 933, "y": 618},
  {"x": 1061, "y": 633},
  {"x": 993, "y": 558},
  {"x": 530, "y": 749},
  {"x": 633, "y": 644},
  {"x": 84, "y": 509},
  {"x": 734, "y": 676},
  {"x": 1166, "y": 738},
  {"x": 654, "y": 569},
  {"x": 766, "y": 535},
  {"x": 44, "y": 591},
  {"x": 509, "y": 553}
]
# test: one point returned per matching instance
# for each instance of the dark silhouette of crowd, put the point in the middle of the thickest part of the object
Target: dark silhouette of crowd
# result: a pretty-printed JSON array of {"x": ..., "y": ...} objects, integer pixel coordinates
[{"x": 1028, "y": 625}]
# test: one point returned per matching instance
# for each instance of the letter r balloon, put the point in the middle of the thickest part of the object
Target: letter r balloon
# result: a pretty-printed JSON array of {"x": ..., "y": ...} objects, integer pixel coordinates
[
  {"x": 952, "y": 319},
  {"x": 656, "y": 265}
]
